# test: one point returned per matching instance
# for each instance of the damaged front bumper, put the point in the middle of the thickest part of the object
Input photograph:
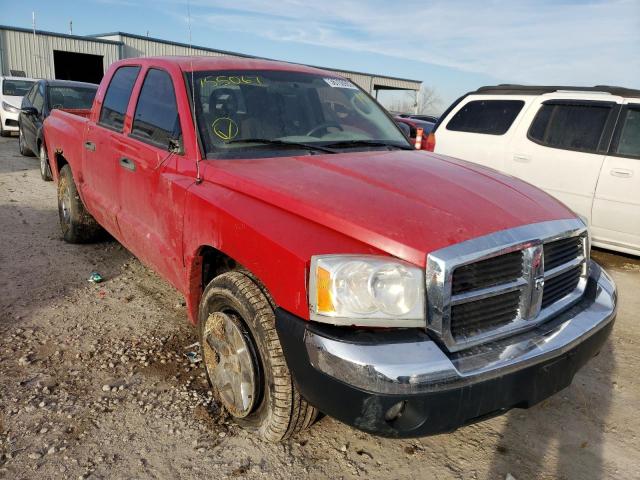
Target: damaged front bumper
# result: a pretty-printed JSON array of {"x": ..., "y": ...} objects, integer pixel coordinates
[{"x": 400, "y": 383}]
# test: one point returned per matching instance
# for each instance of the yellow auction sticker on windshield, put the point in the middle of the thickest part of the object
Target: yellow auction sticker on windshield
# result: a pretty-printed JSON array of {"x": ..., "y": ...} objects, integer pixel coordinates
[
  {"x": 225, "y": 128},
  {"x": 340, "y": 83}
]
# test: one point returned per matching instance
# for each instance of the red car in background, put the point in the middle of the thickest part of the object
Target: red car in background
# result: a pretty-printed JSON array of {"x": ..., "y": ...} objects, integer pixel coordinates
[{"x": 410, "y": 126}]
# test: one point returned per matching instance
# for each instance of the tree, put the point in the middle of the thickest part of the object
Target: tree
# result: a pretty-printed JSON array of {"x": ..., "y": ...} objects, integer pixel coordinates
[
  {"x": 404, "y": 103},
  {"x": 428, "y": 101}
]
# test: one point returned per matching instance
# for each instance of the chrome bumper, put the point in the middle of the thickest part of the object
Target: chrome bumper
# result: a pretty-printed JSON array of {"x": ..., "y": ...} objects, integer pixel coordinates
[{"x": 421, "y": 366}]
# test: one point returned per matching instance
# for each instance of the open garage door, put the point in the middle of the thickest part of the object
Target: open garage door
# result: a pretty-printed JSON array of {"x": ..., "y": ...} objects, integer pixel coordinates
[{"x": 81, "y": 67}]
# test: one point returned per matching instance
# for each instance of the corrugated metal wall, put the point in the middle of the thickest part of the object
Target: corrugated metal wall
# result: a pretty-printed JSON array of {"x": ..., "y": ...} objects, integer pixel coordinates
[
  {"x": 22, "y": 50},
  {"x": 362, "y": 80},
  {"x": 34, "y": 53},
  {"x": 139, "y": 47},
  {"x": 395, "y": 83}
]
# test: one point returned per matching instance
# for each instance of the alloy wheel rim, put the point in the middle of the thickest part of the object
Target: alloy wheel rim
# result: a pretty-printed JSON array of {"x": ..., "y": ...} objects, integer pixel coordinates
[{"x": 230, "y": 362}]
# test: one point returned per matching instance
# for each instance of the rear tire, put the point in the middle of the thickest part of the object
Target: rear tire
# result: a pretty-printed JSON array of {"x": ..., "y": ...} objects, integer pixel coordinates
[
  {"x": 24, "y": 151},
  {"x": 77, "y": 224},
  {"x": 45, "y": 169},
  {"x": 273, "y": 408}
]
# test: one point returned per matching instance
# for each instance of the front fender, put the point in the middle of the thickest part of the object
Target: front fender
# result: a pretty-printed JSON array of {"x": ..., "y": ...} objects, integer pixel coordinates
[{"x": 273, "y": 244}]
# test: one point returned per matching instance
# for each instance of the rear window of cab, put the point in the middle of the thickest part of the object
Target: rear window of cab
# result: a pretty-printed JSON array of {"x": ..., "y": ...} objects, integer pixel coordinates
[{"x": 490, "y": 117}]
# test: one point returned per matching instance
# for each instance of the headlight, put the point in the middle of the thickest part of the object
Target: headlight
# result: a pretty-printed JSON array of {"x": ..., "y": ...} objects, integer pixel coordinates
[
  {"x": 366, "y": 290},
  {"x": 10, "y": 108}
]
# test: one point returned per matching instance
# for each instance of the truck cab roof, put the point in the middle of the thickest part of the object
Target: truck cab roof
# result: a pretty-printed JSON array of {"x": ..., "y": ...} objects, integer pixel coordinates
[{"x": 200, "y": 63}]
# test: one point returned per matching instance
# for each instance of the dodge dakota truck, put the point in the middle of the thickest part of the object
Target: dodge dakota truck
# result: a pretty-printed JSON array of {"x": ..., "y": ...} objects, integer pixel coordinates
[{"x": 327, "y": 265}]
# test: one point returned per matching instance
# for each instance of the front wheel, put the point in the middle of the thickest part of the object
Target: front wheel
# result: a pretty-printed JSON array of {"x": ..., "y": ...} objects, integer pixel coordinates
[
  {"x": 244, "y": 360},
  {"x": 77, "y": 224},
  {"x": 45, "y": 169},
  {"x": 24, "y": 150}
]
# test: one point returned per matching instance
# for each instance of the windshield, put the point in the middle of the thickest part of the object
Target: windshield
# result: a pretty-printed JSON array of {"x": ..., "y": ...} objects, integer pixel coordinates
[
  {"x": 236, "y": 109},
  {"x": 17, "y": 88},
  {"x": 71, "y": 97}
]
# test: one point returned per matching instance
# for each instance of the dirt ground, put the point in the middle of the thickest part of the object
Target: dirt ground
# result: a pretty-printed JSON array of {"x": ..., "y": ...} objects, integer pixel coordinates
[{"x": 94, "y": 381}]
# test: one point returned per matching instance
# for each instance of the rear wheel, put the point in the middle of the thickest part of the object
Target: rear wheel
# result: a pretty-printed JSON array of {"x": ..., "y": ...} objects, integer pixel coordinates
[
  {"x": 244, "y": 360},
  {"x": 21, "y": 145},
  {"x": 77, "y": 224},
  {"x": 45, "y": 169}
]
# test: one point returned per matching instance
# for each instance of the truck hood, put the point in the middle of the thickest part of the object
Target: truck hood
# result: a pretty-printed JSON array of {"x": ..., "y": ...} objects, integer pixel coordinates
[{"x": 404, "y": 203}]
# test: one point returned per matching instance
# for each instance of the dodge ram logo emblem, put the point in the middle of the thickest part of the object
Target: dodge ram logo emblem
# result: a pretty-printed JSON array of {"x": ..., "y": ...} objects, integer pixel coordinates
[{"x": 539, "y": 283}]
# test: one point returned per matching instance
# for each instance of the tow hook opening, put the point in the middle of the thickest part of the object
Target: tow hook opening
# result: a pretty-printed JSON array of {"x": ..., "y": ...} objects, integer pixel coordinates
[{"x": 405, "y": 415}]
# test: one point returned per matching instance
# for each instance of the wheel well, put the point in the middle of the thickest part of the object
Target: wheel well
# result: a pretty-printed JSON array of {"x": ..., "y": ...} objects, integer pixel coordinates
[
  {"x": 208, "y": 263},
  {"x": 214, "y": 263},
  {"x": 60, "y": 161}
]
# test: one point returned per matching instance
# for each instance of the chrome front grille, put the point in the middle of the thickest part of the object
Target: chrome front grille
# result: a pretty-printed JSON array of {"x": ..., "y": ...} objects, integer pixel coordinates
[
  {"x": 478, "y": 316},
  {"x": 559, "y": 252},
  {"x": 487, "y": 273},
  {"x": 561, "y": 285},
  {"x": 493, "y": 286}
]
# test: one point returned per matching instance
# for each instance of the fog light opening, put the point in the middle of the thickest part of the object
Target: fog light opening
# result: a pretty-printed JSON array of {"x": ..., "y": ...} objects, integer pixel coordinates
[{"x": 395, "y": 411}]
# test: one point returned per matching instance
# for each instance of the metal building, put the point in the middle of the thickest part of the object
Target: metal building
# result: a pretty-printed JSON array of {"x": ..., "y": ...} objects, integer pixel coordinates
[
  {"x": 52, "y": 55},
  {"x": 40, "y": 54}
]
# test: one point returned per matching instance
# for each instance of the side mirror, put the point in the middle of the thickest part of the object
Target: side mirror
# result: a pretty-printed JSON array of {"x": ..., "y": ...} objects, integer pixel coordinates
[
  {"x": 175, "y": 146},
  {"x": 29, "y": 110}
]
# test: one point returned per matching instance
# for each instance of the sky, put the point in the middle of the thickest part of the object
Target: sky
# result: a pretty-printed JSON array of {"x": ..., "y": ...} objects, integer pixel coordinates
[{"x": 452, "y": 46}]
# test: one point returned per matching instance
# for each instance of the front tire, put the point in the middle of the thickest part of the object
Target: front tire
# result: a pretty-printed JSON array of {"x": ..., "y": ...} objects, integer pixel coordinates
[
  {"x": 77, "y": 224},
  {"x": 244, "y": 360},
  {"x": 45, "y": 169},
  {"x": 24, "y": 150}
]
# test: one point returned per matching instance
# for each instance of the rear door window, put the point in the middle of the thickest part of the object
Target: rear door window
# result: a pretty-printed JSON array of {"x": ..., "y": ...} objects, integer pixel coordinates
[
  {"x": 71, "y": 97},
  {"x": 628, "y": 141},
  {"x": 570, "y": 126},
  {"x": 156, "y": 119},
  {"x": 491, "y": 117},
  {"x": 116, "y": 100}
]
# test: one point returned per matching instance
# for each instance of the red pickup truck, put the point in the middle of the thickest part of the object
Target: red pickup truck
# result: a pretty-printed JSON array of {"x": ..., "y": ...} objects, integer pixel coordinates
[{"x": 328, "y": 265}]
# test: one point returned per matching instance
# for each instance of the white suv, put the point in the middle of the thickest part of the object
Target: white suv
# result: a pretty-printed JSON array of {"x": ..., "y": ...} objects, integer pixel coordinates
[
  {"x": 12, "y": 89},
  {"x": 581, "y": 145}
]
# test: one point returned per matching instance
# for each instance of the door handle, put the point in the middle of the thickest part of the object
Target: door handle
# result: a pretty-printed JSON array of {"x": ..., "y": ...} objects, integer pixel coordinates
[
  {"x": 522, "y": 158},
  {"x": 90, "y": 146},
  {"x": 128, "y": 164},
  {"x": 621, "y": 172}
]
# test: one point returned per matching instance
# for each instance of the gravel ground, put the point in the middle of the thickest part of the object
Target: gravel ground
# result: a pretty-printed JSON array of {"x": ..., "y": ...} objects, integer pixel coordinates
[{"x": 94, "y": 381}]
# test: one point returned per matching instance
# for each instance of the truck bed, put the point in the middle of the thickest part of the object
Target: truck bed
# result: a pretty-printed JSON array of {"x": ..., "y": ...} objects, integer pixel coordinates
[{"x": 64, "y": 134}]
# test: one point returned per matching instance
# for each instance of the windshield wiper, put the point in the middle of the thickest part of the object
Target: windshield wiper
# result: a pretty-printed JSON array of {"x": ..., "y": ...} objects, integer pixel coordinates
[
  {"x": 366, "y": 143},
  {"x": 283, "y": 143}
]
